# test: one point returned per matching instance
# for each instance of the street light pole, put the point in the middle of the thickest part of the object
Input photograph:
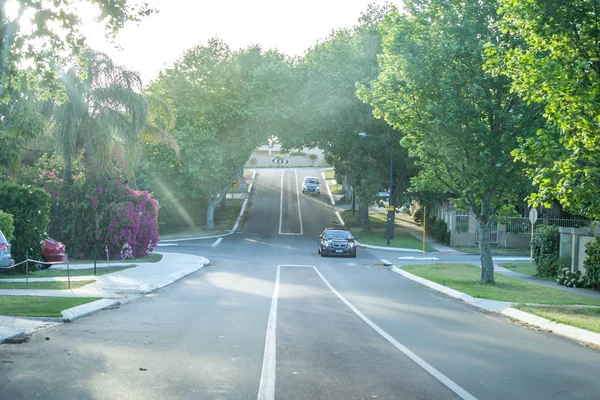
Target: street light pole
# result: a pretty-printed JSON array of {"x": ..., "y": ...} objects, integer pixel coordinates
[{"x": 389, "y": 226}]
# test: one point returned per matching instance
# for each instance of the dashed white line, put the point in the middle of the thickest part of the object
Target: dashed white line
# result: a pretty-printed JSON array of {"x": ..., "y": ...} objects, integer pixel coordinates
[
  {"x": 266, "y": 389},
  {"x": 216, "y": 243},
  {"x": 443, "y": 379}
]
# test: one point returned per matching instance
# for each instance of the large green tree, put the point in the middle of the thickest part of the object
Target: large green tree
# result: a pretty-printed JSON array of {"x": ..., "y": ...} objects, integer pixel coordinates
[
  {"x": 104, "y": 110},
  {"x": 460, "y": 122},
  {"x": 37, "y": 38},
  {"x": 330, "y": 116},
  {"x": 226, "y": 104},
  {"x": 551, "y": 54}
]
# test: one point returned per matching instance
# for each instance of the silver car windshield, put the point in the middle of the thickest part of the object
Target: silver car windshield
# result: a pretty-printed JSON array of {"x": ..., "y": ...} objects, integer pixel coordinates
[{"x": 337, "y": 235}]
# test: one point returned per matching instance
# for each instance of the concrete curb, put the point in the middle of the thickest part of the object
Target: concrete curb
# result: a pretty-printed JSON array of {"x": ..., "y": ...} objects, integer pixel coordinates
[
  {"x": 85, "y": 310},
  {"x": 506, "y": 309},
  {"x": 9, "y": 333},
  {"x": 330, "y": 194},
  {"x": 231, "y": 232}
]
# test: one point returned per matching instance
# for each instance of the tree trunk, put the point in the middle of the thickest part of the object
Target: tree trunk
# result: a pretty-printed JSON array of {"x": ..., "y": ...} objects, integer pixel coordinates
[
  {"x": 363, "y": 216},
  {"x": 68, "y": 170},
  {"x": 485, "y": 223},
  {"x": 213, "y": 202}
]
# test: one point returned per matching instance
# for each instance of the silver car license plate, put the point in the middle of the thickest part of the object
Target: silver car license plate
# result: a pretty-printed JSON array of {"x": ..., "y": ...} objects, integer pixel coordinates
[{"x": 339, "y": 251}]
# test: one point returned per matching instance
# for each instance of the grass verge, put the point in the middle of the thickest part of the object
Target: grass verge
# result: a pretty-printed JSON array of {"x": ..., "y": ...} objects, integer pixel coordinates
[
  {"x": 525, "y": 268},
  {"x": 497, "y": 251},
  {"x": 581, "y": 317},
  {"x": 465, "y": 278},
  {"x": 54, "y": 273},
  {"x": 400, "y": 241},
  {"x": 37, "y": 306},
  {"x": 224, "y": 220},
  {"x": 330, "y": 174},
  {"x": 336, "y": 188},
  {"x": 44, "y": 285},
  {"x": 150, "y": 258}
]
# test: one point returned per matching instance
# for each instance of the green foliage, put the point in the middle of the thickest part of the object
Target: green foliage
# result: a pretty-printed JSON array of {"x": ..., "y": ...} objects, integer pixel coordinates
[
  {"x": 571, "y": 279},
  {"x": 7, "y": 226},
  {"x": 30, "y": 207},
  {"x": 592, "y": 263},
  {"x": 545, "y": 250},
  {"x": 106, "y": 213},
  {"x": 460, "y": 123},
  {"x": 549, "y": 50},
  {"x": 438, "y": 229}
]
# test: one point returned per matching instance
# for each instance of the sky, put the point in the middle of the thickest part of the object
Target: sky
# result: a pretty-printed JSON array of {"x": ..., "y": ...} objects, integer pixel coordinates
[{"x": 288, "y": 26}]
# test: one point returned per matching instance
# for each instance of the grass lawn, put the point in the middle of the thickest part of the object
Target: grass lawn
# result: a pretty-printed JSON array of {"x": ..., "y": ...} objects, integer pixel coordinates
[
  {"x": 45, "y": 285},
  {"x": 581, "y": 317},
  {"x": 376, "y": 220},
  {"x": 497, "y": 251},
  {"x": 336, "y": 188},
  {"x": 37, "y": 306},
  {"x": 521, "y": 267},
  {"x": 330, "y": 174},
  {"x": 224, "y": 221},
  {"x": 465, "y": 278},
  {"x": 401, "y": 240},
  {"x": 151, "y": 258},
  {"x": 53, "y": 273}
]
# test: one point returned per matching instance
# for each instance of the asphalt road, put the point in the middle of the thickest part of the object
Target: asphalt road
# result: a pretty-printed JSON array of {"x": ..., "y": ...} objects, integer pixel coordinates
[{"x": 271, "y": 319}]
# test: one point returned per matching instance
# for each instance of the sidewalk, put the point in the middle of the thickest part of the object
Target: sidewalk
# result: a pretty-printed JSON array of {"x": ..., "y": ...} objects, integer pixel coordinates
[{"x": 115, "y": 288}]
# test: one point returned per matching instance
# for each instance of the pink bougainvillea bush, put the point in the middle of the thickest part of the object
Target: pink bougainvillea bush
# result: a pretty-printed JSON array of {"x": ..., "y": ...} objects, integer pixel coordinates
[{"x": 102, "y": 215}]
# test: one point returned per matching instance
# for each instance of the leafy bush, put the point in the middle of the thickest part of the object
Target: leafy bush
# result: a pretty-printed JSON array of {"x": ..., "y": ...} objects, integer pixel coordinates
[
  {"x": 106, "y": 213},
  {"x": 438, "y": 229},
  {"x": 545, "y": 249},
  {"x": 30, "y": 209},
  {"x": 7, "y": 226},
  {"x": 418, "y": 216},
  {"x": 571, "y": 279},
  {"x": 592, "y": 263}
]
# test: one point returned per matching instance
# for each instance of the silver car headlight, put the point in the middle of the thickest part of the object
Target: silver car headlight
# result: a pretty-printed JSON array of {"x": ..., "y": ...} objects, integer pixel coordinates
[{"x": 351, "y": 244}]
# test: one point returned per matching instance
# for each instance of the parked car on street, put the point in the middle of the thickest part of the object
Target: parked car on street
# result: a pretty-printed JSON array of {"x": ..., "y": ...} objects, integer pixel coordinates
[
  {"x": 53, "y": 251},
  {"x": 339, "y": 242},
  {"x": 310, "y": 184},
  {"x": 6, "y": 260}
]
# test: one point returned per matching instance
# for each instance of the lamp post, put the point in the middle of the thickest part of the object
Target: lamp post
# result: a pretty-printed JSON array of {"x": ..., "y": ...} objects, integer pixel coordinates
[{"x": 388, "y": 229}]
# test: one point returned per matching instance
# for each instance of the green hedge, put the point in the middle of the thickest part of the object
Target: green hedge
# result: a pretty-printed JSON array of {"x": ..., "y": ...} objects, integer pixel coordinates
[
  {"x": 545, "y": 250},
  {"x": 30, "y": 208},
  {"x": 592, "y": 263},
  {"x": 7, "y": 225}
]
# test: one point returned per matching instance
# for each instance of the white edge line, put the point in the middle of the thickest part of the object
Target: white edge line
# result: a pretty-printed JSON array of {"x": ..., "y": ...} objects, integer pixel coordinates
[
  {"x": 266, "y": 389},
  {"x": 339, "y": 217},
  {"x": 281, "y": 203},
  {"x": 328, "y": 190},
  {"x": 443, "y": 379},
  {"x": 216, "y": 243},
  {"x": 383, "y": 260},
  {"x": 298, "y": 196}
]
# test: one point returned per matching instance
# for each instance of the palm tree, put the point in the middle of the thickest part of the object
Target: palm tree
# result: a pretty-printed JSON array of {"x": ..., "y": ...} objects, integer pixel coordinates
[{"x": 104, "y": 110}]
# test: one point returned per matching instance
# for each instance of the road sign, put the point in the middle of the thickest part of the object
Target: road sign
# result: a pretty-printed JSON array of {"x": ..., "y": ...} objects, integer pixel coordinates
[
  {"x": 390, "y": 208},
  {"x": 533, "y": 215},
  {"x": 279, "y": 161},
  {"x": 384, "y": 194},
  {"x": 242, "y": 184},
  {"x": 235, "y": 184}
]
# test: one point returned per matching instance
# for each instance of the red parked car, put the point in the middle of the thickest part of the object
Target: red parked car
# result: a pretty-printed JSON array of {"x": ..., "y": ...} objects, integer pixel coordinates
[{"x": 53, "y": 252}]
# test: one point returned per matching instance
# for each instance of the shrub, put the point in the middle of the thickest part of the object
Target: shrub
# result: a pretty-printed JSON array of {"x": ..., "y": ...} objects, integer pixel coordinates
[
  {"x": 545, "y": 250},
  {"x": 592, "y": 263},
  {"x": 106, "y": 213},
  {"x": 418, "y": 216},
  {"x": 571, "y": 279},
  {"x": 30, "y": 209},
  {"x": 7, "y": 225}
]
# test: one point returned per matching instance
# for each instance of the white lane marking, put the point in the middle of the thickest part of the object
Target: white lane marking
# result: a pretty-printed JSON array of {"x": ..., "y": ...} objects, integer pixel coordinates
[
  {"x": 281, "y": 207},
  {"x": 166, "y": 244},
  {"x": 383, "y": 260},
  {"x": 339, "y": 217},
  {"x": 444, "y": 380},
  {"x": 281, "y": 203},
  {"x": 298, "y": 197},
  {"x": 216, "y": 243},
  {"x": 266, "y": 390},
  {"x": 419, "y": 258}
]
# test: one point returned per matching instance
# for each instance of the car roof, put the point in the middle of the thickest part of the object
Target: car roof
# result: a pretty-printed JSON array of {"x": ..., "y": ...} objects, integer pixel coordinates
[
  {"x": 336, "y": 229},
  {"x": 311, "y": 177}
]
